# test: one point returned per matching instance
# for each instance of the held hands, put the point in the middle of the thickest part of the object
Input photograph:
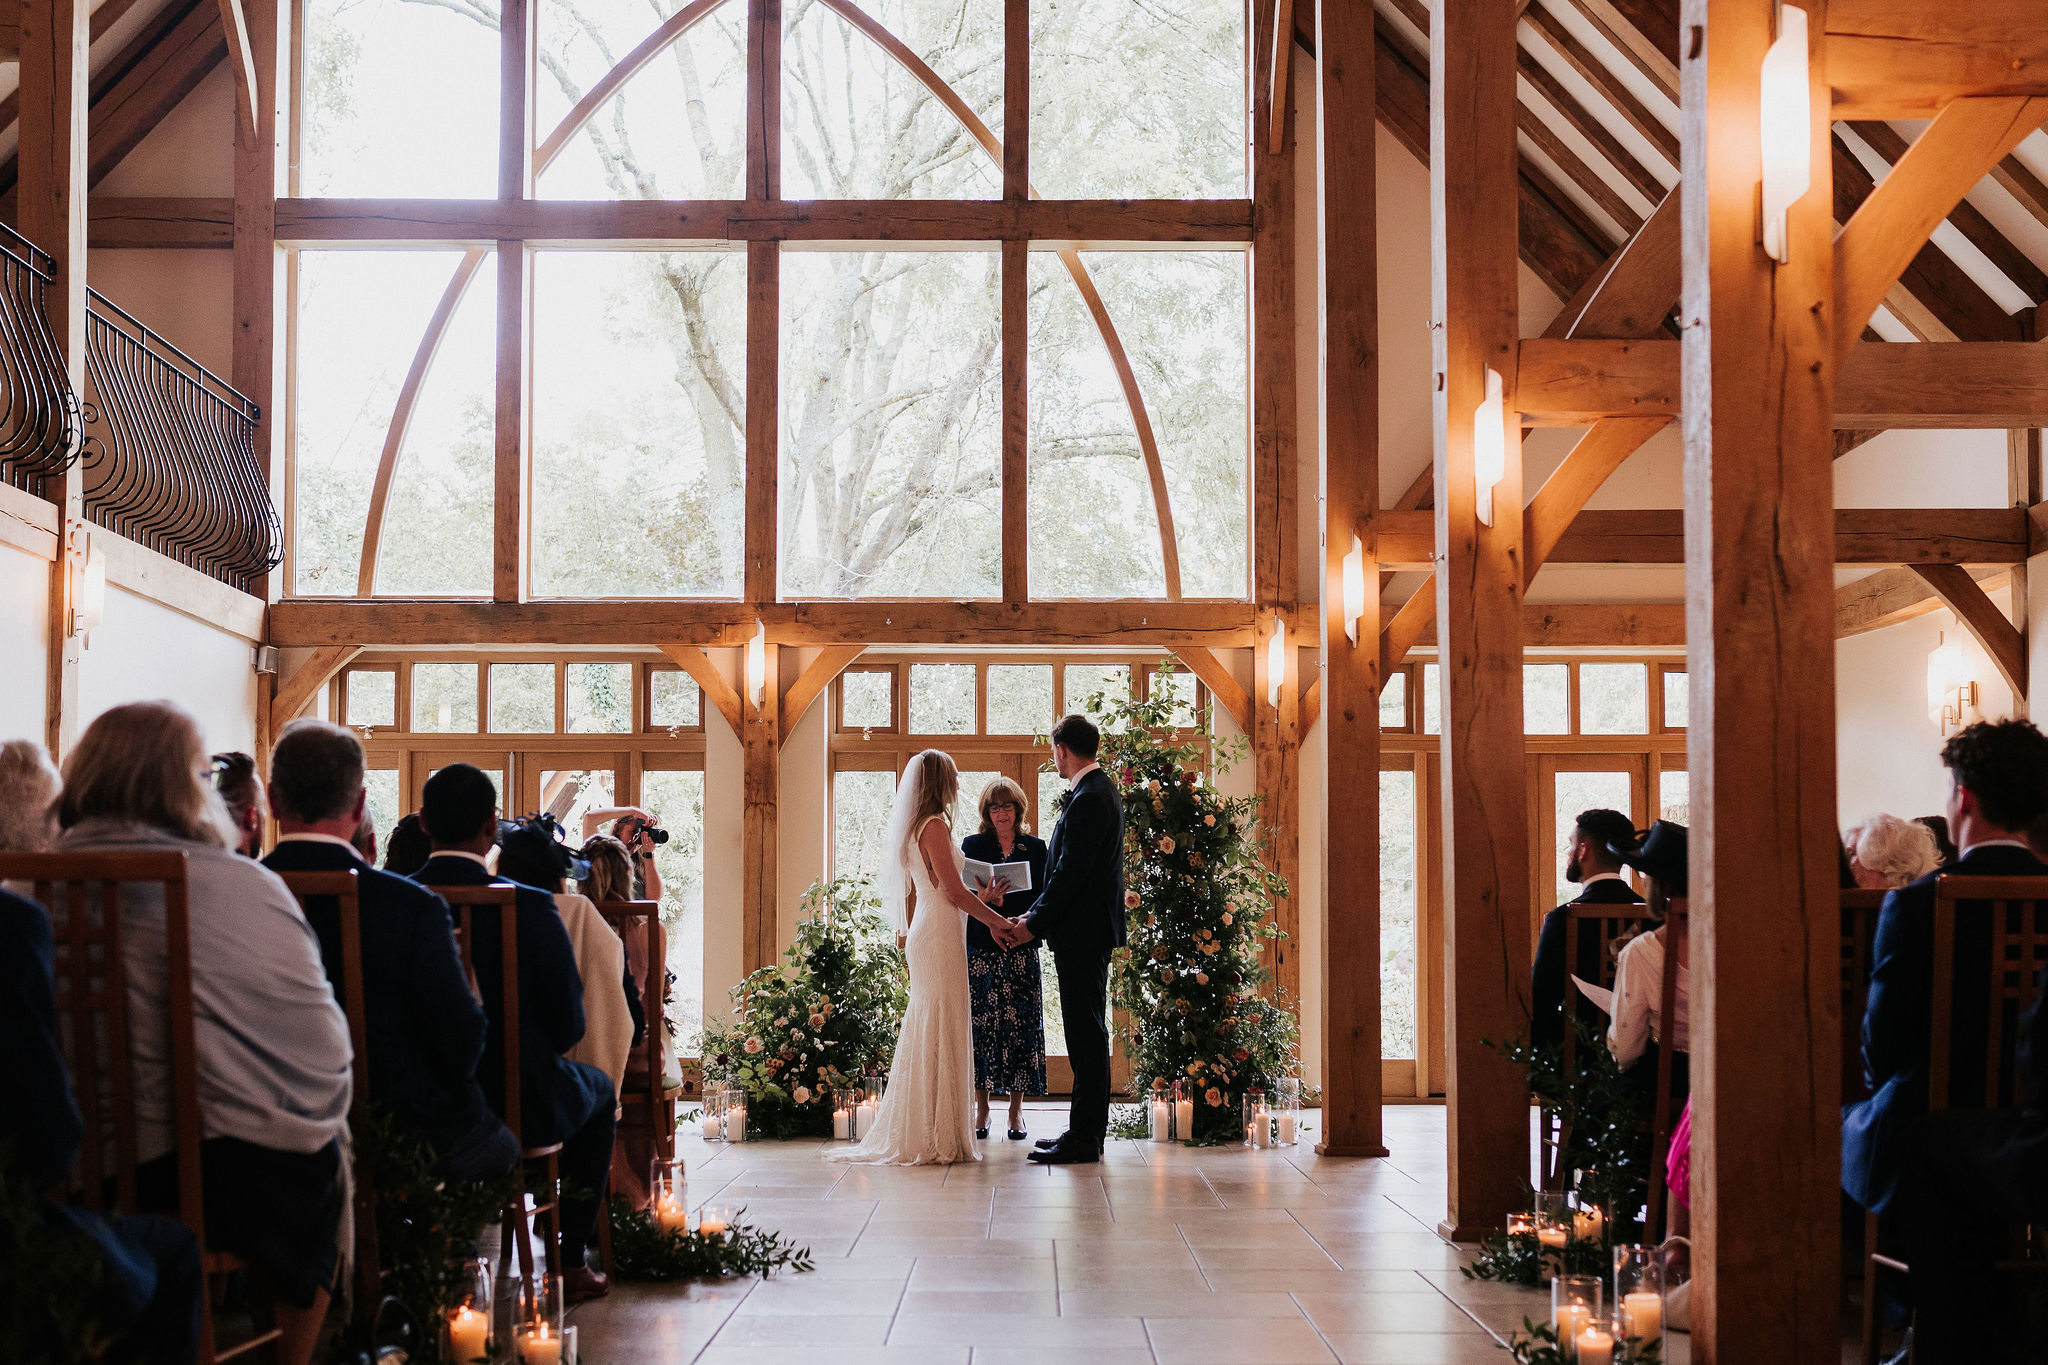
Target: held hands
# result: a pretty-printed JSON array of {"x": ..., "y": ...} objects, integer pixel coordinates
[{"x": 1013, "y": 933}]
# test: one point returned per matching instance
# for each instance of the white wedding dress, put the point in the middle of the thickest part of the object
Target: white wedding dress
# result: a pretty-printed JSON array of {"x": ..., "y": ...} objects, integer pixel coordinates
[{"x": 927, "y": 1112}]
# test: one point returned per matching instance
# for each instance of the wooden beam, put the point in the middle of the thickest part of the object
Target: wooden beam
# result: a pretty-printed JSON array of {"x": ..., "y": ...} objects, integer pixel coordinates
[
  {"x": 761, "y": 784},
  {"x": 1766, "y": 1034},
  {"x": 1617, "y": 94},
  {"x": 811, "y": 684},
  {"x": 2022, "y": 184},
  {"x": 1559, "y": 503},
  {"x": 179, "y": 224},
  {"x": 171, "y": 68},
  {"x": 2001, "y": 639},
  {"x": 1965, "y": 140},
  {"x": 513, "y": 393},
  {"x": 1016, "y": 455},
  {"x": 1221, "y": 682},
  {"x": 1969, "y": 385},
  {"x": 1591, "y": 625},
  {"x": 295, "y": 692},
  {"x": 1886, "y": 598},
  {"x": 1575, "y": 170},
  {"x": 763, "y": 549},
  {"x": 1588, "y": 127},
  {"x": 722, "y": 696},
  {"x": 1348, "y": 470},
  {"x": 1086, "y": 223},
  {"x": 1473, "y": 165},
  {"x": 1902, "y": 59},
  {"x": 2011, "y": 262},
  {"x": 1634, "y": 293},
  {"x": 1642, "y": 34},
  {"x": 234, "y": 25},
  {"x": 1277, "y": 70}
]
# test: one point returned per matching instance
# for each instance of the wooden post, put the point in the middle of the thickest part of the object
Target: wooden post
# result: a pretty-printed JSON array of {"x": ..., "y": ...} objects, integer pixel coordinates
[
  {"x": 1276, "y": 566},
  {"x": 2023, "y": 487},
  {"x": 1350, "y": 479},
  {"x": 1472, "y": 179},
  {"x": 760, "y": 742},
  {"x": 1016, "y": 303},
  {"x": 50, "y": 210},
  {"x": 515, "y": 305},
  {"x": 1759, "y": 365}
]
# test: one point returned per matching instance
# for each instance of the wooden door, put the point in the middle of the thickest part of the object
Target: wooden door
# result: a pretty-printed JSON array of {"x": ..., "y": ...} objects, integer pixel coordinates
[{"x": 1562, "y": 785}]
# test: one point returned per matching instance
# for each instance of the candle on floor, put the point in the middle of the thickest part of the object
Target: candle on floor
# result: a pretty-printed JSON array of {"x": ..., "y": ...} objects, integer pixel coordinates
[
  {"x": 1642, "y": 1314},
  {"x": 469, "y": 1334},
  {"x": 736, "y": 1123},
  {"x": 538, "y": 1345},
  {"x": 1595, "y": 1346},
  {"x": 714, "y": 1126},
  {"x": 1262, "y": 1125},
  {"x": 864, "y": 1119},
  {"x": 1286, "y": 1127},
  {"x": 1553, "y": 1239},
  {"x": 1570, "y": 1319},
  {"x": 1184, "y": 1120},
  {"x": 1162, "y": 1121},
  {"x": 842, "y": 1124},
  {"x": 1521, "y": 1224},
  {"x": 1587, "y": 1224},
  {"x": 671, "y": 1214},
  {"x": 712, "y": 1222}
]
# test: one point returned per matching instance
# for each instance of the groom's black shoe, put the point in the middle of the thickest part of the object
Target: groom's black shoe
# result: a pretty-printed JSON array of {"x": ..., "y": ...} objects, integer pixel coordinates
[
  {"x": 1047, "y": 1144},
  {"x": 1068, "y": 1154}
]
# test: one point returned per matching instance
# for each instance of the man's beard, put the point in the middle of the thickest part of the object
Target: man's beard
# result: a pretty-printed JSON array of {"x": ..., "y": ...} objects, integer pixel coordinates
[{"x": 1572, "y": 870}]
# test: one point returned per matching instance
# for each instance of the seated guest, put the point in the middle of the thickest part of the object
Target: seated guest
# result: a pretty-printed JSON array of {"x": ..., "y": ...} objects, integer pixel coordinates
[
  {"x": 1886, "y": 852},
  {"x": 1944, "y": 846},
  {"x": 273, "y": 1049},
  {"x": 407, "y": 848},
  {"x": 608, "y": 878},
  {"x": 531, "y": 852},
  {"x": 1958, "y": 1176},
  {"x": 234, "y": 777},
  {"x": 1589, "y": 865},
  {"x": 424, "y": 1028},
  {"x": 1640, "y": 1012},
  {"x": 149, "y": 1267},
  {"x": 28, "y": 797},
  {"x": 560, "y": 1101}
]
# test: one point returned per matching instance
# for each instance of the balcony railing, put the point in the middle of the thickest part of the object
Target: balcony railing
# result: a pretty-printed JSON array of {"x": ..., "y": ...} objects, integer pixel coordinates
[
  {"x": 170, "y": 454},
  {"x": 39, "y": 416}
]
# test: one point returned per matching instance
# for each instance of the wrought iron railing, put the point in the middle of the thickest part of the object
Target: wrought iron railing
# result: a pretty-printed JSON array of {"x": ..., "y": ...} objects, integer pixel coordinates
[
  {"x": 170, "y": 454},
  {"x": 39, "y": 414}
]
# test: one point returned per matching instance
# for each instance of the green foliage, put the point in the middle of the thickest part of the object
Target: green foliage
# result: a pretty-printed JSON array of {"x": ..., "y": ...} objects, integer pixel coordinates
[
  {"x": 426, "y": 1226},
  {"x": 50, "y": 1312},
  {"x": 820, "y": 1021},
  {"x": 644, "y": 1250},
  {"x": 1201, "y": 904},
  {"x": 1609, "y": 1118},
  {"x": 1537, "y": 1344}
]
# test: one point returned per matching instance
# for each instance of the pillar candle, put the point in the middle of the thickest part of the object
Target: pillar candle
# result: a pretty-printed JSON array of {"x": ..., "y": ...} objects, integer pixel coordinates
[
  {"x": 1595, "y": 1346},
  {"x": 1162, "y": 1121},
  {"x": 1184, "y": 1120},
  {"x": 1553, "y": 1240},
  {"x": 1571, "y": 1319},
  {"x": 711, "y": 1224},
  {"x": 1642, "y": 1314},
  {"x": 1286, "y": 1127},
  {"x": 1262, "y": 1127},
  {"x": 736, "y": 1123},
  {"x": 864, "y": 1119},
  {"x": 842, "y": 1124},
  {"x": 1521, "y": 1224},
  {"x": 1587, "y": 1224},
  {"x": 714, "y": 1128},
  {"x": 469, "y": 1335},
  {"x": 671, "y": 1214},
  {"x": 539, "y": 1346}
]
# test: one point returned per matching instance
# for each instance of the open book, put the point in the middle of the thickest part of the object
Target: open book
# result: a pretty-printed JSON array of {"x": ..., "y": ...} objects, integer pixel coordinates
[
  {"x": 980, "y": 874},
  {"x": 1603, "y": 998}
]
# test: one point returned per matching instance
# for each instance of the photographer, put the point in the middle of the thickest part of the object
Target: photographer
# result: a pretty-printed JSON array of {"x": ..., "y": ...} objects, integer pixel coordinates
[{"x": 639, "y": 831}]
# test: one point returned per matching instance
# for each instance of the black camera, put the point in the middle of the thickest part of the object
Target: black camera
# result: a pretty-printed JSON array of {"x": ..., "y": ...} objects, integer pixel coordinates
[{"x": 653, "y": 831}]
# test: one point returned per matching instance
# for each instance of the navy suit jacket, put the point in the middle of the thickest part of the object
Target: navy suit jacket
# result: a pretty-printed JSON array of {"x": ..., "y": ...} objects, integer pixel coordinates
[
  {"x": 1550, "y": 978},
  {"x": 1899, "y": 1016},
  {"x": 557, "y": 1096},
  {"x": 424, "y": 1029},
  {"x": 1081, "y": 909}
]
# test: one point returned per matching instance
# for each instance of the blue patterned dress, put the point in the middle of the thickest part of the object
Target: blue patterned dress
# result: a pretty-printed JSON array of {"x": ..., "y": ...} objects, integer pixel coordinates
[{"x": 1007, "y": 993}]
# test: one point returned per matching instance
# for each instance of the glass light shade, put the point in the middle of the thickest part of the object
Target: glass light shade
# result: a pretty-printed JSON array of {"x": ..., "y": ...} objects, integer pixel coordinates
[
  {"x": 757, "y": 663},
  {"x": 1944, "y": 676},
  {"x": 1276, "y": 661},
  {"x": 1489, "y": 444},
  {"x": 1785, "y": 117},
  {"x": 1354, "y": 588}
]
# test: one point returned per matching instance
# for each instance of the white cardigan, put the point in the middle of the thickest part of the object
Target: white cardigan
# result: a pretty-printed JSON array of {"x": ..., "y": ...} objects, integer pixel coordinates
[
  {"x": 1638, "y": 1013},
  {"x": 601, "y": 962}
]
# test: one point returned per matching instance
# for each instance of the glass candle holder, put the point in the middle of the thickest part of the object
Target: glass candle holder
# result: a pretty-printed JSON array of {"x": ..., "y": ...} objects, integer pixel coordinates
[
  {"x": 845, "y": 1115},
  {"x": 1589, "y": 1223},
  {"x": 540, "y": 1343},
  {"x": 1594, "y": 1345},
  {"x": 1639, "y": 1296},
  {"x": 1521, "y": 1225},
  {"x": 714, "y": 1220},
  {"x": 736, "y": 1116},
  {"x": 1258, "y": 1119},
  {"x": 714, "y": 1112},
  {"x": 1183, "y": 1114},
  {"x": 466, "y": 1328},
  {"x": 1574, "y": 1304},
  {"x": 1551, "y": 1239},
  {"x": 669, "y": 1197},
  {"x": 1159, "y": 1116},
  {"x": 1286, "y": 1111}
]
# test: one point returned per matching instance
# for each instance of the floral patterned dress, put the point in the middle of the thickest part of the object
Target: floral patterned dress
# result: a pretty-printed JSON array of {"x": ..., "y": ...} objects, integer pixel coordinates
[{"x": 1005, "y": 986}]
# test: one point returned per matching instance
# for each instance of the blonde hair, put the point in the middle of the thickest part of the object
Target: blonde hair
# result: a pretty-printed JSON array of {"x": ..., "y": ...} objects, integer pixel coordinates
[
  {"x": 144, "y": 762},
  {"x": 1898, "y": 851},
  {"x": 28, "y": 797},
  {"x": 1001, "y": 791},
  {"x": 938, "y": 788},
  {"x": 611, "y": 870}
]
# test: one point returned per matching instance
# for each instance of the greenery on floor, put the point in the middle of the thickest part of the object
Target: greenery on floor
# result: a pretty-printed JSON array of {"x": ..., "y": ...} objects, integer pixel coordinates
[
  {"x": 1537, "y": 1344},
  {"x": 1200, "y": 902},
  {"x": 822, "y": 1020},
  {"x": 644, "y": 1250}
]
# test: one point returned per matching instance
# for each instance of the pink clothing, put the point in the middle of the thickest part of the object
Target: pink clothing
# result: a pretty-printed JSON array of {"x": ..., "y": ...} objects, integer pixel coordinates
[{"x": 1678, "y": 1164}]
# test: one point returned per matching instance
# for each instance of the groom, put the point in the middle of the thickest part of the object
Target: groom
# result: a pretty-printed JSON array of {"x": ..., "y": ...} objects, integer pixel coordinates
[{"x": 1081, "y": 914}]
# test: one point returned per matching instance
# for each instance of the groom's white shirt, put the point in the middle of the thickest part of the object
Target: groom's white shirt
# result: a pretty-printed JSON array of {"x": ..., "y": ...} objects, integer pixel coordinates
[{"x": 1075, "y": 780}]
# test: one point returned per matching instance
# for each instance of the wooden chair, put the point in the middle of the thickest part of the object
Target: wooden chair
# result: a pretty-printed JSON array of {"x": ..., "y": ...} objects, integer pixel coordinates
[
  {"x": 1612, "y": 926},
  {"x": 1677, "y": 926},
  {"x": 1859, "y": 930},
  {"x": 645, "y": 1088},
  {"x": 341, "y": 887},
  {"x": 469, "y": 903},
  {"x": 93, "y": 1020},
  {"x": 2008, "y": 916}
]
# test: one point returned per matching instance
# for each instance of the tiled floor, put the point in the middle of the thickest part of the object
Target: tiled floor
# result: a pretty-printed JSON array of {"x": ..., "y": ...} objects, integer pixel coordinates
[{"x": 1162, "y": 1255}]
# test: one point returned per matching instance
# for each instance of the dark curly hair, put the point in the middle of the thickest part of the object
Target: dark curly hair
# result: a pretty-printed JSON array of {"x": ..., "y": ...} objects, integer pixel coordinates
[{"x": 2004, "y": 764}]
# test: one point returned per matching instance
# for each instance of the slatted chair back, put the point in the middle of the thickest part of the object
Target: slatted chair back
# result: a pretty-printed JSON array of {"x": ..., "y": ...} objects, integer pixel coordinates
[
  {"x": 639, "y": 922},
  {"x": 2006, "y": 920},
  {"x": 1611, "y": 927},
  {"x": 342, "y": 889},
  {"x": 88, "y": 895},
  {"x": 1859, "y": 931},
  {"x": 1677, "y": 929},
  {"x": 470, "y": 904}
]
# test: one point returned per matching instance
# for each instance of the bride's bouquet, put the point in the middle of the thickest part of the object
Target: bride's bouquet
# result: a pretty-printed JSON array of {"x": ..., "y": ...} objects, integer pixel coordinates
[{"x": 821, "y": 1020}]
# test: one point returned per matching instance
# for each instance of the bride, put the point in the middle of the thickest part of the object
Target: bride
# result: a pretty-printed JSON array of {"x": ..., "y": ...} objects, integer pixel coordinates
[{"x": 927, "y": 1111}]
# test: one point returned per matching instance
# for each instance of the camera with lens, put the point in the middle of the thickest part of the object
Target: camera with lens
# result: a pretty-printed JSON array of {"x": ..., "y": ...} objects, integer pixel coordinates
[{"x": 653, "y": 831}]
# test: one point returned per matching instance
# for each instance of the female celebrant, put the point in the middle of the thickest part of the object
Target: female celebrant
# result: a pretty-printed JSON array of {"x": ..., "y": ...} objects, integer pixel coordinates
[{"x": 1009, "y": 1006}]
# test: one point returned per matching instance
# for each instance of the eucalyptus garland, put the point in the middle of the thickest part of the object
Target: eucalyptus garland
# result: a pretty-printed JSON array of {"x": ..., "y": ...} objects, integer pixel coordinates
[{"x": 644, "y": 1250}]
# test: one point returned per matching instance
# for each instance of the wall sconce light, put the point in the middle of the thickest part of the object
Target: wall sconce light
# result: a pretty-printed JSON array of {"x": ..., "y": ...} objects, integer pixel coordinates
[
  {"x": 1951, "y": 692},
  {"x": 1354, "y": 588},
  {"x": 1786, "y": 122},
  {"x": 1276, "y": 660},
  {"x": 1489, "y": 445},
  {"x": 88, "y": 585},
  {"x": 757, "y": 664}
]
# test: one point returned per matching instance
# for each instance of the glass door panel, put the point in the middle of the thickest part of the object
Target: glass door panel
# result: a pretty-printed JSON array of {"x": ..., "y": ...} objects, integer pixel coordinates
[
  {"x": 569, "y": 785},
  {"x": 677, "y": 799},
  {"x": 1568, "y": 784},
  {"x": 1398, "y": 902}
]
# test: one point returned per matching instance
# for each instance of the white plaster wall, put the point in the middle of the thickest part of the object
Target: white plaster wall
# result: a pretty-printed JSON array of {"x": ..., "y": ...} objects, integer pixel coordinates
[
  {"x": 144, "y": 652},
  {"x": 1889, "y": 752},
  {"x": 724, "y": 893},
  {"x": 1309, "y": 892},
  {"x": 803, "y": 834},
  {"x": 24, "y": 643}
]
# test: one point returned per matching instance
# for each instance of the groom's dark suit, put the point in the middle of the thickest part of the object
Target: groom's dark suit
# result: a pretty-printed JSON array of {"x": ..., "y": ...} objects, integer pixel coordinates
[{"x": 1080, "y": 913}]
